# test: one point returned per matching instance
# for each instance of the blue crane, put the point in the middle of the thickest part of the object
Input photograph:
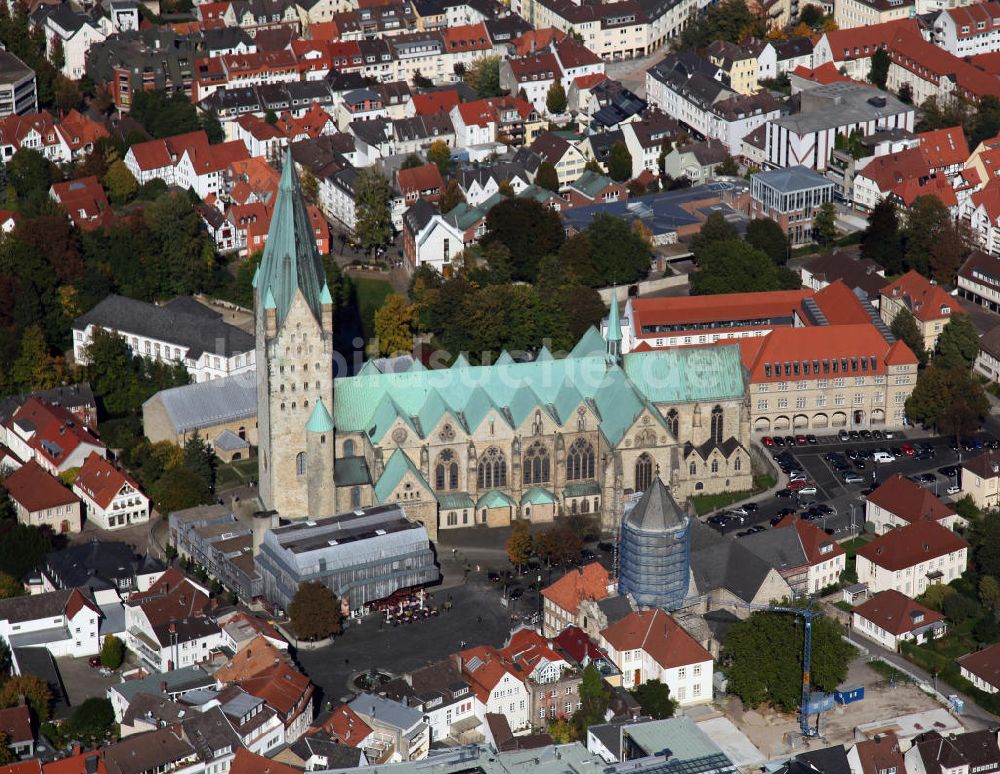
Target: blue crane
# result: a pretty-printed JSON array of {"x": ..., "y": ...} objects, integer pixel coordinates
[{"x": 807, "y": 613}]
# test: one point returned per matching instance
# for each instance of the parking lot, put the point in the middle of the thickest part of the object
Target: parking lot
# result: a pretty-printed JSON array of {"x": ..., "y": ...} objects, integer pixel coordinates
[{"x": 836, "y": 475}]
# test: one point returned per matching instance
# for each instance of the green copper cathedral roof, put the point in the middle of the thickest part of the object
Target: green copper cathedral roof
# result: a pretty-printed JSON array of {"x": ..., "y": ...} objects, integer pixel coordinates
[
  {"x": 291, "y": 261},
  {"x": 614, "y": 319},
  {"x": 320, "y": 421}
]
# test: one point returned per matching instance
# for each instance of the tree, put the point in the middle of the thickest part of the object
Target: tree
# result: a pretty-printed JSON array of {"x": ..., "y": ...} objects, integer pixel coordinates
[
  {"x": 555, "y": 99},
  {"x": 959, "y": 608},
  {"x": 67, "y": 93},
  {"x": 528, "y": 229},
  {"x": 519, "y": 544},
  {"x": 947, "y": 254},
  {"x": 879, "y": 71},
  {"x": 5, "y": 660},
  {"x": 618, "y": 252},
  {"x": 394, "y": 323},
  {"x": 986, "y": 121},
  {"x": 310, "y": 187},
  {"x": 619, "y": 162},
  {"x": 825, "y": 224},
  {"x": 315, "y": 612},
  {"x": 34, "y": 368},
  {"x": 547, "y": 177},
  {"x": 200, "y": 459},
  {"x": 734, "y": 266},
  {"x": 984, "y": 537},
  {"x": 120, "y": 182},
  {"x": 958, "y": 343},
  {"x": 950, "y": 400},
  {"x": 768, "y": 237},
  {"x": 559, "y": 546},
  {"x": 595, "y": 697},
  {"x": 882, "y": 241},
  {"x": 562, "y": 731},
  {"x": 92, "y": 722},
  {"x": 989, "y": 592},
  {"x": 928, "y": 222},
  {"x": 728, "y": 167},
  {"x": 715, "y": 229},
  {"x": 935, "y": 595},
  {"x": 439, "y": 153},
  {"x": 30, "y": 173},
  {"x": 373, "y": 223},
  {"x": 730, "y": 20},
  {"x": 10, "y": 587},
  {"x": 451, "y": 197},
  {"x": 484, "y": 76},
  {"x": 112, "y": 652},
  {"x": 654, "y": 699},
  {"x": 22, "y": 547},
  {"x": 764, "y": 658},
  {"x": 179, "y": 488},
  {"x": 812, "y": 16},
  {"x": 164, "y": 115},
  {"x": 270, "y": 117},
  {"x": 905, "y": 328},
  {"x": 34, "y": 690}
]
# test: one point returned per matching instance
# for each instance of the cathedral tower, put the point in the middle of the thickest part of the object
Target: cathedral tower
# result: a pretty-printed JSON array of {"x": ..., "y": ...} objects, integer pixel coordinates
[{"x": 294, "y": 331}]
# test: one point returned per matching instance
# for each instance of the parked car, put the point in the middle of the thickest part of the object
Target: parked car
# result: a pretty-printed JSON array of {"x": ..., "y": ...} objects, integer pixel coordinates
[
  {"x": 854, "y": 435},
  {"x": 719, "y": 519},
  {"x": 767, "y": 440},
  {"x": 866, "y": 435},
  {"x": 778, "y": 440},
  {"x": 789, "y": 440},
  {"x": 950, "y": 471},
  {"x": 889, "y": 435},
  {"x": 739, "y": 509},
  {"x": 954, "y": 489},
  {"x": 801, "y": 440},
  {"x": 750, "y": 507},
  {"x": 908, "y": 449},
  {"x": 797, "y": 484},
  {"x": 850, "y": 477},
  {"x": 783, "y": 493},
  {"x": 843, "y": 435},
  {"x": 884, "y": 457},
  {"x": 797, "y": 475},
  {"x": 807, "y": 490},
  {"x": 877, "y": 435},
  {"x": 813, "y": 440},
  {"x": 927, "y": 478}
]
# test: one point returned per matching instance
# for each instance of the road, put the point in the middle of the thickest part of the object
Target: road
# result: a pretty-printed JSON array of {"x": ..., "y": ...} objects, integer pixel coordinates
[
  {"x": 847, "y": 499},
  {"x": 974, "y": 717},
  {"x": 632, "y": 72}
]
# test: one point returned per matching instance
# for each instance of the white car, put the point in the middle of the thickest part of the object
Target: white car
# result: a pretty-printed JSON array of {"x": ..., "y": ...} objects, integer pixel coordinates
[
  {"x": 881, "y": 456},
  {"x": 954, "y": 489},
  {"x": 739, "y": 510},
  {"x": 797, "y": 475},
  {"x": 807, "y": 490}
]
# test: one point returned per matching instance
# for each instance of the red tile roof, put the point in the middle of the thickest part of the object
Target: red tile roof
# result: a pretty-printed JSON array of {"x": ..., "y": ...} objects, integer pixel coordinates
[
  {"x": 588, "y": 582},
  {"x": 989, "y": 199},
  {"x": 862, "y": 42},
  {"x": 725, "y": 307},
  {"x": 881, "y": 754},
  {"x": 896, "y": 613},
  {"x": 657, "y": 633},
  {"x": 484, "y": 668},
  {"x": 172, "y": 597},
  {"x": 345, "y": 725},
  {"x": 16, "y": 723},
  {"x": 156, "y": 154},
  {"x": 907, "y": 546},
  {"x": 434, "y": 102},
  {"x": 534, "y": 40},
  {"x": 466, "y": 37},
  {"x": 216, "y": 158},
  {"x": 891, "y": 170},
  {"x": 535, "y": 67},
  {"x": 840, "y": 305},
  {"x": 970, "y": 16},
  {"x": 577, "y": 645},
  {"x": 590, "y": 81},
  {"x": 984, "y": 664},
  {"x": 910, "y": 190},
  {"x": 35, "y": 767},
  {"x": 908, "y": 500},
  {"x": 256, "y": 656},
  {"x": 944, "y": 147},
  {"x": 816, "y": 544},
  {"x": 79, "y": 131},
  {"x": 84, "y": 201},
  {"x": 58, "y": 432},
  {"x": 930, "y": 63},
  {"x": 33, "y": 487},
  {"x": 247, "y": 762},
  {"x": 572, "y": 54},
  {"x": 985, "y": 465},
  {"x": 76, "y": 602},
  {"x": 527, "y": 648},
  {"x": 925, "y": 300},
  {"x": 282, "y": 687},
  {"x": 824, "y": 74},
  {"x": 426, "y": 177},
  {"x": 101, "y": 481}
]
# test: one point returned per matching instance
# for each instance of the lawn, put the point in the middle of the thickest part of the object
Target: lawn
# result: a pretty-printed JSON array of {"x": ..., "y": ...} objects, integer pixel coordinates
[
  {"x": 235, "y": 474},
  {"x": 369, "y": 295},
  {"x": 706, "y": 503},
  {"x": 888, "y": 671}
]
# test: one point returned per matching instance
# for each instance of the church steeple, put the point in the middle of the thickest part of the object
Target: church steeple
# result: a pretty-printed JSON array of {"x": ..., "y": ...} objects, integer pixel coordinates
[
  {"x": 290, "y": 261},
  {"x": 614, "y": 332}
]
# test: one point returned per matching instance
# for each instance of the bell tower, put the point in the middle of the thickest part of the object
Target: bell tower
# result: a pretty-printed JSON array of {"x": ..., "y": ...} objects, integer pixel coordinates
[{"x": 294, "y": 350}]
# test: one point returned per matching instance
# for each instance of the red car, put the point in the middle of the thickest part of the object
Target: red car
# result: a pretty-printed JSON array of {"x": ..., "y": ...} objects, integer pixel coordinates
[
  {"x": 793, "y": 485},
  {"x": 908, "y": 450},
  {"x": 767, "y": 440},
  {"x": 801, "y": 440}
]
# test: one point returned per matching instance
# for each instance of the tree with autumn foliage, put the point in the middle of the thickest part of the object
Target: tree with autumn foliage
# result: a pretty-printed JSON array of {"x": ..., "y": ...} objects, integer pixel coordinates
[
  {"x": 395, "y": 322},
  {"x": 34, "y": 690}
]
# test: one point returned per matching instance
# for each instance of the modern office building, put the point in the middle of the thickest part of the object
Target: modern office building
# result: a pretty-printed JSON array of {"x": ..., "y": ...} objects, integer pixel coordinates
[{"x": 18, "y": 89}]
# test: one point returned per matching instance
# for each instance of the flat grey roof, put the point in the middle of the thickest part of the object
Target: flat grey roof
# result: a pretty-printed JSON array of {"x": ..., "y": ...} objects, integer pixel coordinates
[
  {"x": 12, "y": 68},
  {"x": 795, "y": 178},
  {"x": 204, "y": 404}
]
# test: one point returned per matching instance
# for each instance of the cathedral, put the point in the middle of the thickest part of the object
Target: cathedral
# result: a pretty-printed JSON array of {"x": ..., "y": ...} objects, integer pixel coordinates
[{"x": 478, "y": 445}]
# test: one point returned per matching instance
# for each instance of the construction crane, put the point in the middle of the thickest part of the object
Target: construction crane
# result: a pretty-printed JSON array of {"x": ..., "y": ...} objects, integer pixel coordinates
[{"x": 807, "y": 613}]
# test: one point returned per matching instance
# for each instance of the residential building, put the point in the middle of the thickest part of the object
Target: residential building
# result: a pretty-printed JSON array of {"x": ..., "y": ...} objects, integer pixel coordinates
[
  {"x": 40, "y": 499},
  {"x": 853, "y": 14},
  {"x": 276, "y": 682},
  {"x": 808, "y": 137},
  {"x": 982, "y": 668},
  {"x": 695, "y": 161},
  {"x": 875, "y": 755},
  {"x": 162, "y": 750},
  {"x": 792, "y": 197},
  {"x": 891, "y": 618},
  {"x": 802, "y": 553},
  {"x": 63, "y": 622},
  {"x": 84, "y": 201},
  {"x": 927, "y": 301},
  {"x": 535, "y": 74},
  {"x": 158, "y": 159},
  {"x": 76, "y": 30},
  {"x": 15, "y": 723},
  {"x": 650, "y": 645},
  {"x": 968, "y": 29},
  {"x": 936, "y": 753},
  {"x": 35, "y": 131},
  {"x": 564, "y": 155},
  {"x": 363, "y": 556},
  {"x": 987, "y": 360},
  {"x": 167, "y": 626},
  {"x": 980, "y": 479},
  {"x": 858, "y": 274},
  {"x": 931, "y": 71},
  {"x": 911, "y": 558},
  {"x": 50, "y": 435},
  {"x": 432, "y": 239},
  {"x": 739, "y": 64},
  {"x": 403, "y": 732},
  {"x": 100, "y": 565},
  {"x": 172, "y": 686},
  {"x": 130, "y": 62},
  {"x": 645, "y": 138},
  {"x": 898, "y": 501},
  {"x": 553, "y": 683},
  {"x": 498, "y": 685},
  {"x": 561, "y": 601},
  {"x": 18, "y": 88},
  {"x": 111, "y": 497},
  {"x": 180, "y": 331},
  {"x": 440, "y": 691},
  {"x": 979, "y": 277},
  {"x": 593, "y": 188},
  {"x": 850, "y": 50}
]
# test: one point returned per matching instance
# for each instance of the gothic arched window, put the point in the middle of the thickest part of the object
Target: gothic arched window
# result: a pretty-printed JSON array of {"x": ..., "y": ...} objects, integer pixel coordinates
[
  {"x": 492, "y": 469},
  {"x": 737, "y": 464},
  {"x": 300, "y": 464},
  {"x": 446, "y": 471},
  {"x": 715, "y": 466},
  {"x": 672, "y": 421},
  {"x": 692, "y": 468},
  {"x": 643, "y": 472},
  {"x": 717, "y": 424},
  {"x": 580, "y": 460},
  {"x": 348, "y": 448},
  {"x": 536, "y": 464}
]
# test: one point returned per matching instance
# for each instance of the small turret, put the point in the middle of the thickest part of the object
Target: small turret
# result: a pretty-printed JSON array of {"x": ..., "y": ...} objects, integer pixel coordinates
[
  {"x": 319, "y": 462},
  {"x": 614, "y": 332}
]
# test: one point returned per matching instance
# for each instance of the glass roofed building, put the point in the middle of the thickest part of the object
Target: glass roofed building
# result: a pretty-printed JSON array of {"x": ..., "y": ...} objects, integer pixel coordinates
[{"x": 471, "y": 445}]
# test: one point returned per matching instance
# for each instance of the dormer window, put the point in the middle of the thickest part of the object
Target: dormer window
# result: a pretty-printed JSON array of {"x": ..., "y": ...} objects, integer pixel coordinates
[{"x": 945, "y": 309}]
